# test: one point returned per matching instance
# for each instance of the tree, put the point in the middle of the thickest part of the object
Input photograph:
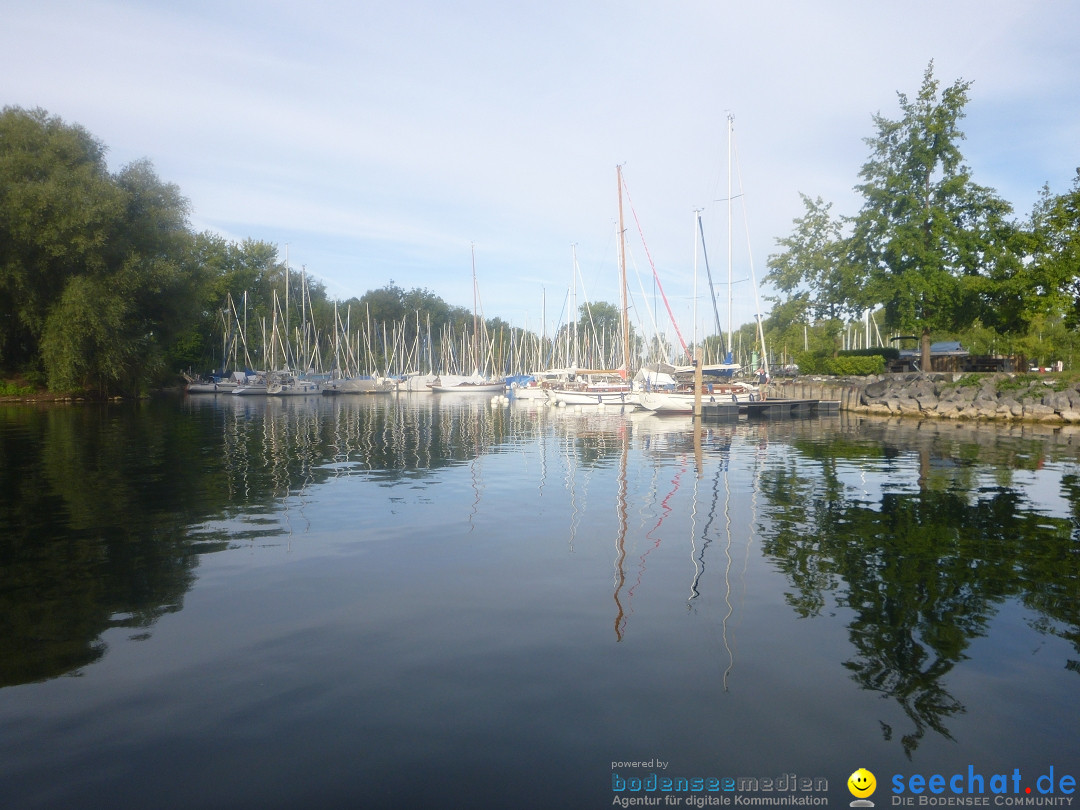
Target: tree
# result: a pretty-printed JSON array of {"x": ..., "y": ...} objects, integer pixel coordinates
[
  {"x": 58, "y": 208},
  {"x": 934, "y": 247},
  {"x": 600, "y": 332},
  {"x": 86, "y": 343},
  {"x": 1056, "y": 249},
  {"x": 94, "y": 286},
  {"x": 813, "y": 268}
]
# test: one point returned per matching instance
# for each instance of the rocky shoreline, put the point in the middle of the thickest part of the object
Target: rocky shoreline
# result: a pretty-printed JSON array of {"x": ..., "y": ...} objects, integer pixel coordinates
[{"x": 1046, "y": 398}]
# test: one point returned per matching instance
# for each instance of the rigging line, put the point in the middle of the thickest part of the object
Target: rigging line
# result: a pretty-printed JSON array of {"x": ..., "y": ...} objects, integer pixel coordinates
[
  {"x": 712, "y": 291},
  {"x": 750, "y": 258},
  {"x": 666, "y": 509},
  {"x": 711, "y": 517},
  {"x": 644, "y": 297},
  {"x": 693, "y": 539},
  {"x": 620, "y": 542},
  {"x": 727, "y": 568},
  {"x": 656, "y": 276}
]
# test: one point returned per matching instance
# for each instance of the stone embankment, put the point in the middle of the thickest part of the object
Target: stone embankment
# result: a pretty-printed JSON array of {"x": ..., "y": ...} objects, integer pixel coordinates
[{"x": 1017, "y": 397}]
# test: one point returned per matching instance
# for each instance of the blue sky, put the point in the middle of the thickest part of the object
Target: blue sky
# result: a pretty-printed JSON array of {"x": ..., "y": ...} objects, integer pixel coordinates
[{"x": 385, "y": 141}]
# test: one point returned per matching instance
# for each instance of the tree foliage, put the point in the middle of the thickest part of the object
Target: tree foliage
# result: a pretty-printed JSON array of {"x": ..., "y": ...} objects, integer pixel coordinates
[
  {"x": 934, "y": 249},
  {"x": 1056, "y": 249},
  {"x": 813, "y": 269},
  {"x": 93, "y": 282}
]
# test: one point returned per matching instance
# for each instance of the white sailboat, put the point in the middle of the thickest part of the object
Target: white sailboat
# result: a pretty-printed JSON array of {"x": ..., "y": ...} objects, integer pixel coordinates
[
  {"x": 720, "y": 385},
  {"x": 612, "y": 386},
  {"x": 476, "y": 383},
  {"x": 286, "y": 384},
  {"x": 460, "y": 384}
]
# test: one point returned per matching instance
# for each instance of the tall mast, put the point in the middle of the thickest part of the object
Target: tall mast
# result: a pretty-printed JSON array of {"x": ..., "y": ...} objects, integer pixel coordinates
[
  {"x": 622, "y": 280},
  {"x": 574, "y": 308},
  {"x": 730, "y": 119},
  {"x": 697, "y": 224},
  {"x": 288, "y": 340},
  {"x": 475, "y": 330}
]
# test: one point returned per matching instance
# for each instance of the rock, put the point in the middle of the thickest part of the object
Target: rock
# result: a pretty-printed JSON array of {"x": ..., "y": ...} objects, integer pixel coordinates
[
  {"x": 1036, "y": 410},
  {"x": 875, "y": 389},
  {"x": 907, "y": 405},
  {"x": 1058, "y": 400}
]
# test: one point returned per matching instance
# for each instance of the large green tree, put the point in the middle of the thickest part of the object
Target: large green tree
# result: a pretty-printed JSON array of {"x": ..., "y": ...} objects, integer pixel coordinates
[
  {"x": 95, "y": 285},
  {"x": 936, "y": 249},
  {"x": 1056, "y": 249},
  {"x": 813, "y": 269},
  {"x": 58, "y": 208}
]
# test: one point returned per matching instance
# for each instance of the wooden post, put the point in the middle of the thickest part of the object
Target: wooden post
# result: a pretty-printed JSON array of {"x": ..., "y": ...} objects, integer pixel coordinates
[{"x": 697, "y": 383}]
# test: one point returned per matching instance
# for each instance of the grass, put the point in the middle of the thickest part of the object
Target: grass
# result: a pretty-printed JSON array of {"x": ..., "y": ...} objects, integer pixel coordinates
[{"x": 8, "y": 389}]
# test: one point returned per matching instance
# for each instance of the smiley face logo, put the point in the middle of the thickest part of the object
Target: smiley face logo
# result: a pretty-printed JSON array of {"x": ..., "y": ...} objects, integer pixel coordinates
[{"x": 862, "y": 783}]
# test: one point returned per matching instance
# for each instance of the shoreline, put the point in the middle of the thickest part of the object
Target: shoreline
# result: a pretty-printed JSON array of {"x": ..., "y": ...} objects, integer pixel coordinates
[
  {"x": 1042, "y": 398},
  {"x": 1051, "y": 399}
]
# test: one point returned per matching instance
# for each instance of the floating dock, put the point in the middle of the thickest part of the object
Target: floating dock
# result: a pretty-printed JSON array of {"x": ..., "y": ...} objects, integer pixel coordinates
[{"x": 769, "y": 409}]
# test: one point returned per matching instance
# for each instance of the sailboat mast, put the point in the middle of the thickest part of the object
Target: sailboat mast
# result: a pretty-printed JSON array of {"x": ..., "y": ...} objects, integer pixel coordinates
[
  {"x": 288, "y": 358},
  {"x": 730, "y": 316},
  {"x": 697, "y": 223},
  {"x": 574, "y": 307},
  {"x": 622, "y": 280},
  {"x": 475, "y": 329}
]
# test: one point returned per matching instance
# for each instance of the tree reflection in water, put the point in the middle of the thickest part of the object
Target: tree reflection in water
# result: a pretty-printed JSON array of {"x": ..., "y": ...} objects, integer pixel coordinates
[
  {"x": 915, "y": 535},
  {"x": 923, "y": 569}
]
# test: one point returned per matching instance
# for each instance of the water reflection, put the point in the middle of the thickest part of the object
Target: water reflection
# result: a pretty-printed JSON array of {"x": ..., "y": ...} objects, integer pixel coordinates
[
  {"x": 912, "y": 535},
  {"x": 923, "y": 548},
  {"x": 94, "y": 504}
]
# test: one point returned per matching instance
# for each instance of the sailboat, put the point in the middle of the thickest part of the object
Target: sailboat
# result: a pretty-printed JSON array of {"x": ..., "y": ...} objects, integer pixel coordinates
[
  {"x": 600, "y": 386},
  {"x": 477, "y": 383},
  {"x": 720, "y": 385}
]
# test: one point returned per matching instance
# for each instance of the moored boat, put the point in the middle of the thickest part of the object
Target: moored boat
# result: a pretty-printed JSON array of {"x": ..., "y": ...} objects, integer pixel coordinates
[
  {"x": 476, "y": 384},
  {"x": 682, "y": 401},
  {"x": 284, "y": 384},
  {"x": 358, "y": 385}
]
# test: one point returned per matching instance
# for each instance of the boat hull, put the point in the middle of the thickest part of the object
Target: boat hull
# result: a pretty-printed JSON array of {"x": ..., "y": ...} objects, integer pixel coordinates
[
  {"x": 561, "y": 396},
  {"x": 211, "y": 388},
  {"x": 253, "y": 390},
  {"x": 470, "y": 388},
  {"x": 683, "y": 402},
  {"x": 359, "y": 385},
  {"x": 296, "y": 389}
]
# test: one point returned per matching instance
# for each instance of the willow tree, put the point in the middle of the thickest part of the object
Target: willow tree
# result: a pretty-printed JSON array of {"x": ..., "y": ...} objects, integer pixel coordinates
[
  {"x": 95, "y": 278},
  {"x": 58, "y": 205},
  {"x": 935, "y": 248}
]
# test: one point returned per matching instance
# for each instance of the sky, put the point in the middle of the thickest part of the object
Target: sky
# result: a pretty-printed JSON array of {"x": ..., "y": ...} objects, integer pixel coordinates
[{"x": 431, "y": 143}]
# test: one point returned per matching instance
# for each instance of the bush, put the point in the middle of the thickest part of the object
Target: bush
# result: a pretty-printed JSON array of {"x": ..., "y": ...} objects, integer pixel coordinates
[
  {"x": 855, "y": 366},
  {"x": 10, "y": 389},
  {"x": 888, "y": 352},
  {"x": 843, "y": 366}
]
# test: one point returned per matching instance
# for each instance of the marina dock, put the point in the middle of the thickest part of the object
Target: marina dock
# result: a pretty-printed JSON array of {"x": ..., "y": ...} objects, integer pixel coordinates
[{"x": 769, "y": 409}]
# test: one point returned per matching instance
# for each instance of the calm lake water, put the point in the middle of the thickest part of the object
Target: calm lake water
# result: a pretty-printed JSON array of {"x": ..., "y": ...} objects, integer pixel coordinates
[{"x": 434, "y": 602}]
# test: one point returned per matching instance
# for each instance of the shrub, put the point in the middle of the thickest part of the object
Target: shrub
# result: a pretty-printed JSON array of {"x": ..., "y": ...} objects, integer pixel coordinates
[
  {"x": 843, "y": 366},
  {"x": 888, "y": 352}
]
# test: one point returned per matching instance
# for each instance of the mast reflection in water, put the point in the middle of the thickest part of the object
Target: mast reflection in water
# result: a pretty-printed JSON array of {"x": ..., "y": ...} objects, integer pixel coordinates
[{"x": 417, "y": 601}]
